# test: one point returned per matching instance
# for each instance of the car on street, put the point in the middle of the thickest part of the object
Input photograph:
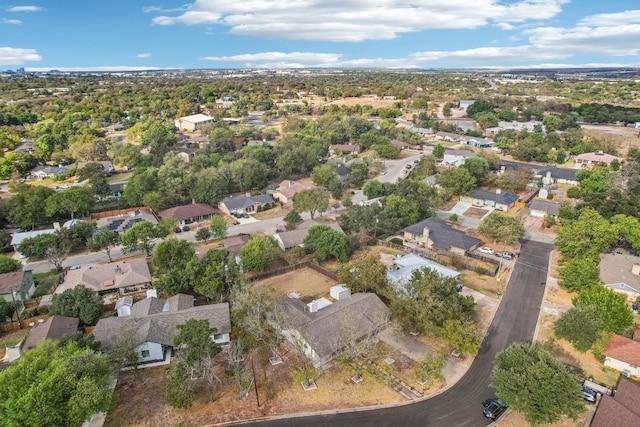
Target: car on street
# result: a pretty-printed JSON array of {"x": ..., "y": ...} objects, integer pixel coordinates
[
  {"x": 485, "y": 250},
  {"x": 589, "y": 395},
  {"x": 384, "y": 172},
  {"x": 493, "y": 408},
  {"x": 416, "y": 161},
  {"x": 504, "y": 254}
]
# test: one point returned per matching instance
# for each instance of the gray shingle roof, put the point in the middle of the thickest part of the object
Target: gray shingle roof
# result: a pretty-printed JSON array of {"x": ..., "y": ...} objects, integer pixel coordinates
[
  {"x": 502, "y": 198},
  {"x": 559, "y": 173},
  {"x": 543, "y": 205},
  {"x": 159, "y": 325},
  {"x": 241, "y": 202},
  {"x": 295, "y": 237},
  {"x": 54, "y": 328},
  {"x": 323, "y": 330},
  {"x": 442, "y": 235}
]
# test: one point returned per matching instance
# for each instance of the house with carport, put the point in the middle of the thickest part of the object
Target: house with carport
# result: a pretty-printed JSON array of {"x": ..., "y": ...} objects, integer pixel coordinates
[
  {"x": 153, "y": 323},
  {"x": 401, "y": 271}
]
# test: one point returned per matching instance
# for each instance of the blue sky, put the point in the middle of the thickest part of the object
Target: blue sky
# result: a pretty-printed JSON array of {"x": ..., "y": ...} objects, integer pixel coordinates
[{"x": 150, "y": 34}]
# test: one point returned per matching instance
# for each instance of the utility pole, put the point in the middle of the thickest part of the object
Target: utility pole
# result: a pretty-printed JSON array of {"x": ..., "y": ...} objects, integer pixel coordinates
[
  {"x": 255, "y": 382},
  {"x": 15, "y": 307}
]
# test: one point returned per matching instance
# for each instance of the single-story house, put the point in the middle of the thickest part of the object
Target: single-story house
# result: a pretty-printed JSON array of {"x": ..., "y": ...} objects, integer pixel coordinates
[
  {"x": 620, "y": 272},
  {"x": 122, "y": 222},
  {"x": 287, "y": 189},
  {"x": 185, "y": 153},
  {"x": 322, "y": 326},
  {"x": 557, "y": 176},
  {"x": 598, "y": 158},
  {"x": 42, "y": 172},
  {"x": 400, "y": 144},
  {"x": 434, "y": 233},
  {"x": 466, "y": 103},
  {"x": 234, "y": 244},
  {"x": 343, "y": 173},
  {"x": 403, "y": 267},
  {"x": 186, "y": 214},
  {"x": 448, "y": 136},
  {"x": 107, "y": 166},
  {"x": 456, "y": 158},
  {"x": 19, "y": 236},
  {"x": 244, "y": 204},
  {"x": 120, "y": 276},
  {"x": 154, "y": 323},
  {"x": 292, "y": 238},
  {"x": 345, "y": 149},
  {"x": 479, "y": 142},
  {"x": 623, "y": 409},
  {"x": 498, "y": 200},
  {"x": 540, "y": 208},
  {"x": 17, "y": 286},
  {"x": 623, "y": 354},
  {"x": 54, "y": 328},
  {"x": 116, "y": 189},
  {"x": 192, "y": 122}
]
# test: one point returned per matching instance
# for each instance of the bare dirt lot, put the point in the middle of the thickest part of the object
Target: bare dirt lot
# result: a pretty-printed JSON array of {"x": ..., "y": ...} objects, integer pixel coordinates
[
  {"x": 376, "y": 103},
  {"x": 476, "y": 213},
  {"x": 307, "y": 282}
]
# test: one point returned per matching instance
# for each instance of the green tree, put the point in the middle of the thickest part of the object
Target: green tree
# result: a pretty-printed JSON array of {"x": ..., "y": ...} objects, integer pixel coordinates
[
  {"x": 140, "y": 237},
  {"x": 386, "y": 151},
  {"x": 486, "y": 119},
  {"x": 552, "y": 122},
  {"x": 29, "y": 205},
  {"x": 628, "y": 228},
  {"x": 463, "y": 336},
  {"x": 104, "y": 240},
  {"x": 438, "y": 151},
  {"x": 502, "y": 228},
  {"x": 195, "y": 341},
  {"x": 292, "y": 220},
  {"x": 477, "y": 166},
  {"x": 611, "y": 308},
  {"x": 405, "y": 210},
  {"x": 54, "y": 385},
  {"x": 258, "y": 253},
  {"x": 324, "y": 176},
  {"x": 80, "y": 302},
  {"x": 312, "y": 201},
  {"x": 579, "y": 326},
  {"x": 218, "y": 227},
  {"x": 8, "y": 265},
  {"x": 366, "y": 274},
  {"x": 71, "y": 201},
  {"x": 173, "y": 254},
  {"x": 532, "y": 382},
  {"x": 588, "y": 236},
  {"x": 458, "y": 181},
  {"x": 579, "y": 273},
  {"x": 203, "y": 234},
  {"x": 429, "y": 369},
  {"x": 359, "y": 173},
  {"x": 212, "y": 276},
  {"x": 374, "y": 189},
  {"x": 326, "y": 243},
  {"x": 178, "y": 392},
  {"x": 36, "y": 246},
  {"x": 7, "y": 309}
]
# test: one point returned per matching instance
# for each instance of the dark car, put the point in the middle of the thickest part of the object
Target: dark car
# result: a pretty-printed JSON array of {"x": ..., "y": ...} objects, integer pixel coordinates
[
  {"x": 504, "y": 254},
  {"x": 186, "y": 228},
  {"x": 589, "y": 395},
  {"x": 178, "y": 230},
  {"x": 493, "y": 408}
]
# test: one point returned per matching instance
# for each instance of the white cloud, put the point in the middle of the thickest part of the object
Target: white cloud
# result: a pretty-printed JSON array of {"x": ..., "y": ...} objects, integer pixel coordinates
[
  {"x": 143, "y": 55},
  {"x": 17, "y": 56},
  {"x": 24, "y": 9},
  {"x": 307, "y": 58},
  {"x": 612, "y": 19},
  {"x": 115, "y": 68},
  {"x": 356, "y": 20},
  {"x": 11, "y": 21},
  {"x": 149, "y": 9}
]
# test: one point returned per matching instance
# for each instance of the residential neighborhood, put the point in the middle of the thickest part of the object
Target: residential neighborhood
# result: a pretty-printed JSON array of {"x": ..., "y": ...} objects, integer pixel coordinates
[{"x": 226, "y": 258}]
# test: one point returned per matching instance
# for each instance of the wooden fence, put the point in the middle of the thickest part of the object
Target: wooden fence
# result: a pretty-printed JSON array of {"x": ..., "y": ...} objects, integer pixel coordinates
[
  {"x": 116, "y": 212},
  {"x": 24, "y": 324},
  {"x": 294, "y": 267}
]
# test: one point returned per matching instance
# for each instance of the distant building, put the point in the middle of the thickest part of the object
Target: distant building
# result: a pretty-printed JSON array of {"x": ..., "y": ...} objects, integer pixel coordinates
[
  {"x": 597, "y": 158},
  {"x": 244, "y": 204},
  {"x": 434, "y": 233},
  {"x": 186, "y": 214},
  {"x": 464, "y": 104},
  {"x": 193, "y": 122},
  {"x": 343, "y": 149}
]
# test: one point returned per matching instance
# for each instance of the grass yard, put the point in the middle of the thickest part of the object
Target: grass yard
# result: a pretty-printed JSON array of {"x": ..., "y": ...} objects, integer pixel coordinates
[
  {"x": 309, "y": 283},
  {"x": 12, "y": 338},
  {"x": 45, "y": 281}
]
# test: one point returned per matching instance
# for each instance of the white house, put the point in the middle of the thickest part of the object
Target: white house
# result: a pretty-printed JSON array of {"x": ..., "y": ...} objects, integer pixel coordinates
[
  {"x": 623, "y": 354},
  {"x": 154, "y": 323},
  {"x": 403, "y": 267},
  {"x": 540, "y": 208}
]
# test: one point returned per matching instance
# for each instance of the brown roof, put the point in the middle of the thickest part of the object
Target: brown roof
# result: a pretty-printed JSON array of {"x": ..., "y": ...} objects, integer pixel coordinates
[
  {"x": 54, "y": 328},
  {"x": 11, "y": 282},
  {"x": 185, "y": 212},
  {"x": 347, "y": 148},
  {"x": 120, "y": 274},
  {"x": 621, "y": 410},
  {"x": 290, "y": 188},
  {"x": 624, "y": 350},
  {"x": 399, "y": 144},
  {"x": 234, "y": 244}
]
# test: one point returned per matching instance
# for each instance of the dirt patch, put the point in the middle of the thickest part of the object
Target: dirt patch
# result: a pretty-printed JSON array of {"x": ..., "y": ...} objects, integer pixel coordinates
[
  {"x": 309, "y": 283},
  {"x": 476, "y": 213},
  {"x": 376, "y": 103}
]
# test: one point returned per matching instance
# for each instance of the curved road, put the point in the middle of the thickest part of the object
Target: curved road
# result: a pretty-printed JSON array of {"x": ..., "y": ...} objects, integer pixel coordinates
[{"x": 515, "y": 321}]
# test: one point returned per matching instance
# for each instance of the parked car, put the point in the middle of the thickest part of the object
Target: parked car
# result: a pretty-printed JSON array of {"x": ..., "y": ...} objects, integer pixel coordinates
[
  {"x": 485, "y": 250},
  {"x": 504, "y": 254},
  {"x": 186, "y": 228},
  {"x": 75, "y": 267},
  {"x": 589, "y": 395},
  {"x": 493, "y": 408},
  {"x": 416, "y": 161},
  {"x": 245, "y": 215},
  {"x": 177, "y": 230},
  {"x": 384, "y": 172}
]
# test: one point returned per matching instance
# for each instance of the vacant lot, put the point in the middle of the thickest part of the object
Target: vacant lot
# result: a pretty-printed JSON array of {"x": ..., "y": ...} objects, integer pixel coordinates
[
  {"x": 307, "y": 282},
  {"x": 477, "y": 213}
]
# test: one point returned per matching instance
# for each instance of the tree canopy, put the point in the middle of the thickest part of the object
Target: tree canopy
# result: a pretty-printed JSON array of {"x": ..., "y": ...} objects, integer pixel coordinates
[
  {"x": 258, "y": 253},
  {"x": 80, "y": 302},
  {"x": 502, "y": 228},
  {"x": 326, "y": 243},
  {"x": 532, "y": 382}
]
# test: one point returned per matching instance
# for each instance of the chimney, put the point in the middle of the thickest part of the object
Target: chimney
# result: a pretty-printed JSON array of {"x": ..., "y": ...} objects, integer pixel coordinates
[
  {"x": 425, "y": 232},
  {"x": 498, "y": 191},
  {"x": 118, "y": 270}
]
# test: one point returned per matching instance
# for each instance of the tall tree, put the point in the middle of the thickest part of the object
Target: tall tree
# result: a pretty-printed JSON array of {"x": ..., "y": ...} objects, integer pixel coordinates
[
  {"x": 140, "y": 237},
  {"x": 502, "y": 228},
  {"x": 54, "y": 385},
  {"x": 258, "y": 253},
  {"x": 8, "y": 265},
  {"x": 458, "y": 181},
  {"x": 612, "y": 311},
  {"x": 104, "y": 240},
  {"x": 71, "y": 201},
  {"x": 532, "y": 382},
  {"x": 29, "y": 205},
  {"x": 579, "y": 273},
  {"x": 366, "y": 274},
  {"x": 218, "y": 227},
  {"x": 326, "y": 243},
  {"x": 80, "y": 302},
  {"x": 312, "y": 201},
  {"x": 588, "y": 236}
]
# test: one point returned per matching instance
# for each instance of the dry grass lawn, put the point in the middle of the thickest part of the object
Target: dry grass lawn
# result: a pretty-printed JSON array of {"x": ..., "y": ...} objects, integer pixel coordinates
[
  {"x": 12, "y": 338},
  {"x": 309, "y": 283}
]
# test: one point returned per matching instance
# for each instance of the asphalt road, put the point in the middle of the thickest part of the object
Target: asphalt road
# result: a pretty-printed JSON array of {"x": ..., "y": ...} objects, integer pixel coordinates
[{"x": 460, "y": 406}]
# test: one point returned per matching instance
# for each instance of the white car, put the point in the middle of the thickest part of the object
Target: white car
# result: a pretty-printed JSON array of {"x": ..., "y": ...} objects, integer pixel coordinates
[{"x": 485, "y": 250}]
